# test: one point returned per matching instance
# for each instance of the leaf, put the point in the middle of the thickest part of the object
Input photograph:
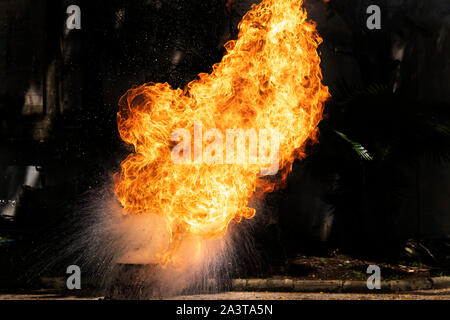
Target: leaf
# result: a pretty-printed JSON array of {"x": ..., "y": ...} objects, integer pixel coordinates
[{"x": 357, "y": 147}]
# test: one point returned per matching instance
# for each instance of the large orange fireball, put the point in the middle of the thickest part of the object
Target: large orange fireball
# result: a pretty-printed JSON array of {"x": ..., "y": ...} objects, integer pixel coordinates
[{"x": 270, "y": 78}]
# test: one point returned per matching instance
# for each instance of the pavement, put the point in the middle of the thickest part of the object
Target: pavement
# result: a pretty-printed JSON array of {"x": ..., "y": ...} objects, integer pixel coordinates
[
  {"x": 438, "y": 294},
  {"x": 441, "y": 294},
  {"x": 437, "y": 288}
]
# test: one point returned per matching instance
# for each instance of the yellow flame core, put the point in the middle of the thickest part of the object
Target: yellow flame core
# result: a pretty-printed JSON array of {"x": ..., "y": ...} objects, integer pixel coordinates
[{"x": 270, "y": 78}]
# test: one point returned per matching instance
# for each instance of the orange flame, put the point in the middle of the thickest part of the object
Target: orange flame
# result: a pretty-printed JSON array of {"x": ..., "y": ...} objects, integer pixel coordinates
[{"x": 270, "y": 78}]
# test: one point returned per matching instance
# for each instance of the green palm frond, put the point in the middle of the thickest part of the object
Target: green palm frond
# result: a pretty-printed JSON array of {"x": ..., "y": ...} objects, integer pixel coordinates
[{"x": 357, "y": 147}]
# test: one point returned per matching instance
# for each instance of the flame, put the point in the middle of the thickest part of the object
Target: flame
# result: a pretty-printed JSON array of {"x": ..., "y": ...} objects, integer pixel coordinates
[{"x": 269, "y": 78}]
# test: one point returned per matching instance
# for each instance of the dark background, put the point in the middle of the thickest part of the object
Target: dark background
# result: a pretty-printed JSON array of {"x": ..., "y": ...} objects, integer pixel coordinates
[{"x": 376, "y": 184}]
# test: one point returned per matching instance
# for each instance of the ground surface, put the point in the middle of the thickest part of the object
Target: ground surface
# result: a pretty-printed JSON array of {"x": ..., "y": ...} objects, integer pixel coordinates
[
  {"x": 443, "y": 294},
  {"x": 343, "y": 267}
]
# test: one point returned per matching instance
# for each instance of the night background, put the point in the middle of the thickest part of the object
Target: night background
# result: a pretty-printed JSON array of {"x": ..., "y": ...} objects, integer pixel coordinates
[{"x": 375, "y": 189}]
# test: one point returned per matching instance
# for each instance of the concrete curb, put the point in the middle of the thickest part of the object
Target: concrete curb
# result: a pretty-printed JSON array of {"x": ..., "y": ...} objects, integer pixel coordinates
[{"x": 294, "y": 285}]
